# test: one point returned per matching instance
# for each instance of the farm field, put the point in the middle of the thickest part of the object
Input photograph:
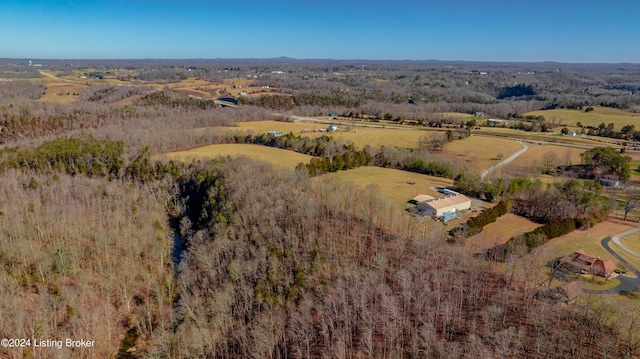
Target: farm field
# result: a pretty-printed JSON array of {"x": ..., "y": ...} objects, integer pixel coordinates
[
  {"x": 394, "y": 184},
  {"x": 499, "y": 232},
  {"x": 374, "y": 137},
  {"x": 481, "y": 152},
  {"x": 594, "y": 118},
  {"x": 535, "y": 153},
  {"x": 284, "y": 158}
]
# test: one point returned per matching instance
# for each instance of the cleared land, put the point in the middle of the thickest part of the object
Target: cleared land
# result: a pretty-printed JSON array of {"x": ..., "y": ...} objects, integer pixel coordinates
[
  {"x": 593, "y": 118},
  {"x": 499, "y": 232},
  {"x": 359, "y": 136},
  {"x": 535, "y": 154},
  {"x": 61, "y": 92},
  {"x": 480, "y": 152},
  {"x": 276, "y": 156},
  {"x": 394, "y": 184}
]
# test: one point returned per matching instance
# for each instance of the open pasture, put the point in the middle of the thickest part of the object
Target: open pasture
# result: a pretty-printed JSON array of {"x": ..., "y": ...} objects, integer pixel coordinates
[
  {"x": 62, "y": 92},
  {"x": 593, "y": 118},
  {"x": 359, "y": 136},
  {"x": 395, "y": 185},
  {"x": 276, "y": 156},
  {"x": 480, "y": 152},
  {"x": 499, "y": 232},
  {"x": 536, "y": 155}
]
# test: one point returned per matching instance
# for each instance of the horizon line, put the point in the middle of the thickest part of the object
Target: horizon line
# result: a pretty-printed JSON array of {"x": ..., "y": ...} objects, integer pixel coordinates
[{"x": 286, "y": 58}]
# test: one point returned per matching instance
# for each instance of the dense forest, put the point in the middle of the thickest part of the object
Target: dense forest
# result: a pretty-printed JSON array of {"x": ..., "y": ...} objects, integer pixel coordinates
[{"x": 236, "y": 258}]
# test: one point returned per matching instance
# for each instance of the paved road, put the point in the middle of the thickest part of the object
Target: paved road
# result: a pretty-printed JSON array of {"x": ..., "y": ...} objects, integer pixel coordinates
[
  {"x": 626, "y": 284},
  {"x": 506, "y": 161}
]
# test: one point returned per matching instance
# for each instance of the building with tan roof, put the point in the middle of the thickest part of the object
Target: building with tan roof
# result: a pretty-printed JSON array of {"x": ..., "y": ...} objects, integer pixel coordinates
[{"x": 447, "y": 204}]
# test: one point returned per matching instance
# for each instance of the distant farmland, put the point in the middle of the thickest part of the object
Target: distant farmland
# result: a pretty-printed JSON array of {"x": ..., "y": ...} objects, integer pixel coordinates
[
  {"x": 359, "y": 136},
  {"x": 276, "y": 156},
  {"x": 593, "y": 118}
]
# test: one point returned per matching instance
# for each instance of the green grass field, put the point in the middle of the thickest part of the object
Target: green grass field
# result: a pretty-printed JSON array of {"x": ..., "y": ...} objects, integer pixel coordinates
[
  {"x": 276, "y": 156},
  {"x": 394, "y": 184},
  {"x": 594, "y": 118}
]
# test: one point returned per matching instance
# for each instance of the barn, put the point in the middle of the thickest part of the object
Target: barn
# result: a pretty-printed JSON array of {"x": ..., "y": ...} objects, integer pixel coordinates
[{"x": 447, "y": 204}]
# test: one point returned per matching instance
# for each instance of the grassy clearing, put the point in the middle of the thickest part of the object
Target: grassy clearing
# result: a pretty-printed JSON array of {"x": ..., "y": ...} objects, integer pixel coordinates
[
  {"x": 597, "y": 283},
  {"x": 499, "y": 232},
  {"x": 481, "y": 152},
  {"x": 594, "y": 118},
  {"x": 62, "y": 92},
  {"x": 374, "y": 137},
  {"x": 533, "y": 156},
  {"x": 461, "y": 115},
  {"x": 276, "y": 156},
  {"x": 478, "y": 152},
  {"x": 394, "y": 184}
]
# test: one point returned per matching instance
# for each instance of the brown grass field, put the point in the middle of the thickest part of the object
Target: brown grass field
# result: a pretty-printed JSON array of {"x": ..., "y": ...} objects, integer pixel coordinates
[
  {"x": 499, "y": 232},
  {"x": 62, "y": 92},
  {"x": 394, "y": 184},
  {"x": 276, "y": 156},
  {"x": 594, "y": 118},
  {"x": 535, "y": 153},
  {"x": 480, "y": 152}
]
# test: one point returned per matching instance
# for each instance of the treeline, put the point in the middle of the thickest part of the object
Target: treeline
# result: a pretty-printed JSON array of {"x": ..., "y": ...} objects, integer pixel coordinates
[
  {"x": 80, "y": 155},
  {"x": 282, "y": 102},
  {"x": 347, "y": 160},
  {"x": 112, "y": 93},
  {"x": 535, "y": 200},
  {"x": 606, "y": 161},
  {"x": 521, "y": 244},
  {"x": 15, "y": 90},
  {"x": 475, "y": 225},
  {"x": 175, "y": 102}
]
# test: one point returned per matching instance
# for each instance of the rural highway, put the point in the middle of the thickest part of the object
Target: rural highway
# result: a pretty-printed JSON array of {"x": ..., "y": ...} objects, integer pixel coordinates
[{"x": 506, "y": 161}]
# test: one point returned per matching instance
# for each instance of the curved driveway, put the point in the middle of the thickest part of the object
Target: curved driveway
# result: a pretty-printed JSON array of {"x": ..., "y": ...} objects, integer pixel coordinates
[
  {"x": 627, "y": 284},
  {"x": 484, "y": 173}
]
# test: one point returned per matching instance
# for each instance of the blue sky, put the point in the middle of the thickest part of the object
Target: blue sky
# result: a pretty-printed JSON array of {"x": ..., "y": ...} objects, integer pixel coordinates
[{"x": 482, "y": 30}]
